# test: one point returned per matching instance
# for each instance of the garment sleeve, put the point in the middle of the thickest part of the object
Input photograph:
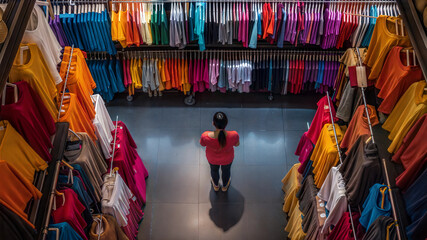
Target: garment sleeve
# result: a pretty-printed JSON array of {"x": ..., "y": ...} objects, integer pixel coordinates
[
  {"x": 202, "y": 140},
  {"x": 236, "y": 139}
]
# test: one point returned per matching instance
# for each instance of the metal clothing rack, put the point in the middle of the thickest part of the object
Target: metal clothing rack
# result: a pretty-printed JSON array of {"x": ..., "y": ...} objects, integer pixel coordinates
[
  {"x": 392, "y": 201},
  {"x": 340, "y": 158},
  {"x": 42, "y": 220},
  {"x": 257, "y": 1},
  {"x": 65, "y": 81},
  {"x": 16, "y": 16}
]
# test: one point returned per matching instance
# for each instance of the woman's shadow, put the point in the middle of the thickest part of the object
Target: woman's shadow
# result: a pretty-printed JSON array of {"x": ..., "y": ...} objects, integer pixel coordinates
[{"x": 226, "y": 208}]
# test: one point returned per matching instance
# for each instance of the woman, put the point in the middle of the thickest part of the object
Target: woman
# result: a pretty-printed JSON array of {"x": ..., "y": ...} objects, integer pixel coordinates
[{"x": 220, "y": 150}]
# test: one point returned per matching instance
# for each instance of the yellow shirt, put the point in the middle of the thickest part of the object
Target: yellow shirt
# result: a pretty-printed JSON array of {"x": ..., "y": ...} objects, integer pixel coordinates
[
  {"x": 17, "y": 153},
  {"x": 291, "y": 185},
  {"x": 121, "y": 28},
  {"x": 383, "y": 39},
  {"x": 411, "y": 106},
  {"x": 187, "y": 86},
  {"x": 114, "y": 25},
  {"x": 325, "y": 153},
  {"x": 35, "y": 72},
  {"x": 160, "y": 66},
  {"x": 138, "y": 74},
  {"x": 294, "y": 225},
  {"x": 148, "y": 26}
]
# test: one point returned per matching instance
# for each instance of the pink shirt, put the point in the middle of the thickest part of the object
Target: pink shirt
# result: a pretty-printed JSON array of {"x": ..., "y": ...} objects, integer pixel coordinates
[{"x": 217, "y": 155}]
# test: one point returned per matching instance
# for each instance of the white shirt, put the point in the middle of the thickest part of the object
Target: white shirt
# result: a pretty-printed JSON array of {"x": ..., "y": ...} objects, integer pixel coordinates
[
  {"x": 333, "y": 192},
  {"x": 39, "y": 32}
]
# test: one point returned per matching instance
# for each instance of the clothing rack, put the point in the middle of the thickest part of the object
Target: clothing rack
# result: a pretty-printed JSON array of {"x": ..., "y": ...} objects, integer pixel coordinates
[
  {"x": 114, "y": 145},
  {"x": 46, "y": 202},
  {"x": 65, "y": 82},
  {"x": 340, "y": 158},
  {"x": 257, "y": 1},
  {"x": 16, "y": 17}
]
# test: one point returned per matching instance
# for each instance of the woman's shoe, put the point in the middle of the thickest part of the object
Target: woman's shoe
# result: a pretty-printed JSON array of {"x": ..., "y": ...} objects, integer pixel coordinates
[
  {"x": 225, "y": 188},
  {"x": 215, "y": 187}
]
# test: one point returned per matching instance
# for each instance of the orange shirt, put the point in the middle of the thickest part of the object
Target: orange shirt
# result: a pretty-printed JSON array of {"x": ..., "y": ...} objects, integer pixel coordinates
[
  {"x": 122, "y": 28},
  {"x": 395, "y": 79},
  {"x": 383, "y": 39},
  {"x": 129, "y": 30},
  {"x": 16, "y": 190},
  {"x": 78, "y": 119},
  {"x": 114, "y": 25},
  {"x": 136, "y": 39},
  {"x": 168, "y": 84},
  {"x": 359, "y": 126},
  {"x": 160, "y": 66},
  {"x": 78, "y": 83}
]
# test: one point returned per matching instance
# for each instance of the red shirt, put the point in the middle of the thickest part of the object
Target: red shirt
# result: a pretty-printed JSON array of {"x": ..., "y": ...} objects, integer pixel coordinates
[
  {"x": 217, "y": 155},
  {"x": 30, "y": 118}
]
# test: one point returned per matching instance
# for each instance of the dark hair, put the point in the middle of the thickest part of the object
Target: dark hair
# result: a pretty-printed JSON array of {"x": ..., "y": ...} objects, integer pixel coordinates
[{"x": 220, "y": 122}]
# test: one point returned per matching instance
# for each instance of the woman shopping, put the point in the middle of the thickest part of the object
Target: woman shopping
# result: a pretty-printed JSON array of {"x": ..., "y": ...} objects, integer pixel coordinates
[{"x": 220, "y": 150}]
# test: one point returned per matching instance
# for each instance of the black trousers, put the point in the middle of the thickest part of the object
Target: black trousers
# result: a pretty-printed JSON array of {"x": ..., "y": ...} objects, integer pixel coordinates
[{"x": 225, "y": 169}]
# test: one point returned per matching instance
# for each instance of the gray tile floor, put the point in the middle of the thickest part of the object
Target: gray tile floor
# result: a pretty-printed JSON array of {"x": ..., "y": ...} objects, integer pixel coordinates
[{"x": 181, "y": 203}]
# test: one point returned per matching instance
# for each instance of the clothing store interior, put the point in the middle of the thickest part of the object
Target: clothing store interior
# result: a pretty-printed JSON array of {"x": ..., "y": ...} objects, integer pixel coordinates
[{"x": 213, "y": 119}]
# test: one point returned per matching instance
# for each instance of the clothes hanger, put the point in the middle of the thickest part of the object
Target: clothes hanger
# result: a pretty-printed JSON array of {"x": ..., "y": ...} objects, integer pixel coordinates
[{"x": 15, "y": 93}]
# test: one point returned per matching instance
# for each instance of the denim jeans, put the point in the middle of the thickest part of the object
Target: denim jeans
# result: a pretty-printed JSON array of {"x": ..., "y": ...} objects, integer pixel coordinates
[{"x": 225, "y": 169}]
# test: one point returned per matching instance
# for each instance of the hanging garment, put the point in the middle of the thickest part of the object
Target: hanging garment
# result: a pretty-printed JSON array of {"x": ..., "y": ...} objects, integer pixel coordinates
[
  {"x": 359, "y": 125},
  {"x": 39, "y": 32},
  {"x": 383, "y": 39},
  {"x": 90, "y": 160},
  {"x": 103, "y": 125},
  {"x": 395, "y": 79},
  {"x": 382, "y": 228},
  {"x": 118, "y": 201},
  {"x": 130, "y": 165},
  {"x": 70, "y": 210},
  {"x": 13, "y": 226},
  {"x": 110, "y": 229},
  {"x": 74, "y": 114},
  {"x": 344, "y": 230},
  {"x": 408, "y": 110},
  {"x": 66, "y": 232},
  {"x": 30, "y": 118},
  {"x": 18, "y": 154},
  {"x": 321, "y": 117},
  {"x": 291, "y": 185},
  {"x": 333, "y": 193},
  {"x": 412, "y": 154},
  {"x": 325, "y": 153},
  {"x": 79, "y": 82},
  {"x": 415, "y": 203},
  {"x": 35, "y": 72},
  {"x": 17, "y": 192},
  {"x": 361, "y": 169},
  {"x": 376, "y": 204}
]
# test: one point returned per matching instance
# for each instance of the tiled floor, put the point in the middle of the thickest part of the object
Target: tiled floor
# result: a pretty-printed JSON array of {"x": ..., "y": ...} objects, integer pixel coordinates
[{"x": 181, "y": 203}]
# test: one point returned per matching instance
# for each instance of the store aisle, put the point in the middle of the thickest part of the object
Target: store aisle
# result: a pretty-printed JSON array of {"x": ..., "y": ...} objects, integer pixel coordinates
[{"x": 181, "y": 203}]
